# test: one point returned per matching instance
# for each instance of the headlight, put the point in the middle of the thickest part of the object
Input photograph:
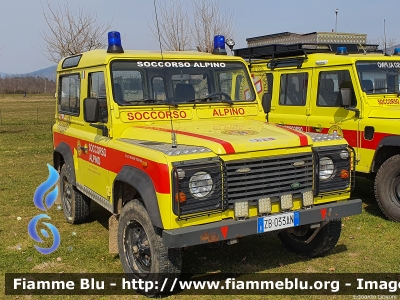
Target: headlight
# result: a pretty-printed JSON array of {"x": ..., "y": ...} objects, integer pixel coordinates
[
  {"x": 201, "y": 185},
  {"x": 326, "y": 168}
]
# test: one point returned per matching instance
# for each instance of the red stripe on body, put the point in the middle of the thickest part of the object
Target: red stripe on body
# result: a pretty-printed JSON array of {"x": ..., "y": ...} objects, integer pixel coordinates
[
  {"x": 115, "y": 160},
  {"x": 302, "y": 137},
  {"x": 227, "y": 146},
  {"x": 351, "y": 138}
]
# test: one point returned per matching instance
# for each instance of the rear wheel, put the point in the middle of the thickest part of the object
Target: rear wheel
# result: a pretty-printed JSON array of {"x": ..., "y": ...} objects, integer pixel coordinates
[
  {"x": 312, "y": 242},
  {"x": 141, "y": 250},
  {"x": 387, "y": 188},
  {"x": 76, "y": 206}
]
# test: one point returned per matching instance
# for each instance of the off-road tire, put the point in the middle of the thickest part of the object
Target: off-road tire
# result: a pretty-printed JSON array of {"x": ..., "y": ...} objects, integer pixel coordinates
[
  {"x": 137, "y": 237},
  {"x": 324, "y": 241},
  {"x": 75, "y": 205},
  {"x": 387, "y": 188}
]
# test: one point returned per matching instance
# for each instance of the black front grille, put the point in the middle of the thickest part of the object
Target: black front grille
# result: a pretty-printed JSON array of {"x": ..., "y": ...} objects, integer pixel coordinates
[{"x": 252, "y": 179}]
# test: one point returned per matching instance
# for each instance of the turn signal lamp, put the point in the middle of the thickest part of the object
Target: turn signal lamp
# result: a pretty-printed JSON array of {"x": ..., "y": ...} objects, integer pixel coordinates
[
  {"x": 180, "y": 197},
  {"x": 344, "y": 174},
  {"x": 114, "y": 42},
  {"x": 219, "y": 45}
]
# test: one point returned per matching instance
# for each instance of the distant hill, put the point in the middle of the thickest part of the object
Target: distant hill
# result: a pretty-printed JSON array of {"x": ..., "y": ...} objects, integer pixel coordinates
[{"x": 49, "y": 73}]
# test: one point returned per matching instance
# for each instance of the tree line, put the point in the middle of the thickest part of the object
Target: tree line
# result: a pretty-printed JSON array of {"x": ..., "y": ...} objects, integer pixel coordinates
[{"x": 27, "y": 84}]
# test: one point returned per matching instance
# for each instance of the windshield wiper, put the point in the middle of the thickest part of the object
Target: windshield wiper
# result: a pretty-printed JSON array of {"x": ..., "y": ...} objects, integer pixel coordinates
[
  {"x": 215, "y": 99},
  {"x": 153, "y": 101}
]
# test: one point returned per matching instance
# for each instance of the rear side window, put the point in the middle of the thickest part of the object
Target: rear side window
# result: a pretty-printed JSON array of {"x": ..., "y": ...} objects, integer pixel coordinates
[
  {"x": 68, "y": 94},
  {"x": 293, "y": 90}
]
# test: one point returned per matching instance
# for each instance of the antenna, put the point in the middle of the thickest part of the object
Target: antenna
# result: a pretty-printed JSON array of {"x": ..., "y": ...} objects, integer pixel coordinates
[
  {"x": 336, "y": 12},
  {"x": 384, "y": 35},
  {"x": 173, "y": 134}
]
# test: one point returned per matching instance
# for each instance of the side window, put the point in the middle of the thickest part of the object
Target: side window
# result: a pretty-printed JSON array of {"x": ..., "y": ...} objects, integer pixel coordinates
[
  {"x": 68, "y": 94},
  {"x": 329, "y": 85},
  {"x": 97, "y": 89},
  {"x": 293, "y": 89}
]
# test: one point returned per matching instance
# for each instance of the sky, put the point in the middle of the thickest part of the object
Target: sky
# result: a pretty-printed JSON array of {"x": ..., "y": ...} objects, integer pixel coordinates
[{"x": 22, "y": 23}]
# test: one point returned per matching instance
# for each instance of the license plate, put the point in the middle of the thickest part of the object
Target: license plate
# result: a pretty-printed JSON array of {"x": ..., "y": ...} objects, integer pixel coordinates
[{"x": 279, "y": 221}]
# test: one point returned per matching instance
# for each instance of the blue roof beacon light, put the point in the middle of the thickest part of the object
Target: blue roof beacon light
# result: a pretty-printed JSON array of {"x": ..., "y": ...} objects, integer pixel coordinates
[
  {"x": 396, "y": 51},
  {"x": 341, "y": 51},
  {"x": 219, "y": 45},
  {"x": 114, "y": 42}
]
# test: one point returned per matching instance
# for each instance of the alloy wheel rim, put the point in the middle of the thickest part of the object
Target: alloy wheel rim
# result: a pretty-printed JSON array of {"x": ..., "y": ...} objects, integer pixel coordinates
[{"x": 137, "y": 248}]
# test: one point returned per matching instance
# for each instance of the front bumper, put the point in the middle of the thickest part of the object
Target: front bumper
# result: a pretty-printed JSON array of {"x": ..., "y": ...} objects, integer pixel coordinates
[{"x": 232, "y": 229}]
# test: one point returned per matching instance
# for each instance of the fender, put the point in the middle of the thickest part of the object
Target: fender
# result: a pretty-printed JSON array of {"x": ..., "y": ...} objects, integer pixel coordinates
[
  {"x": 144, "y": 185},
  {"x": 65, "y": 151},
  {"x": 389, "y": 141}
]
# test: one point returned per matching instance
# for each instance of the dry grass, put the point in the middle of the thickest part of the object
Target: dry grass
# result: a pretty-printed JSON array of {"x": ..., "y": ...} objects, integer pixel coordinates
[{"x": 368, "y": 242}]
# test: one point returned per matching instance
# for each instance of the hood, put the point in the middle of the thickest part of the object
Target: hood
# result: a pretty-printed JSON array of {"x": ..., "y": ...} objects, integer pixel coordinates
[
  {"x": 392, "y": 112},
  {"x": 227, "y": 138}
]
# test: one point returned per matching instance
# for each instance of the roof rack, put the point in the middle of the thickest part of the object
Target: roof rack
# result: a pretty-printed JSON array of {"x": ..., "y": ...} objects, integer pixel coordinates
[
  {"x": 293, "y": 55},
  {"x": 300, "y": 49}
]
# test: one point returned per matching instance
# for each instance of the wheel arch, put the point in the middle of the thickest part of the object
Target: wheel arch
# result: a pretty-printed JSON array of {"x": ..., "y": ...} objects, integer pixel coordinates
[
  {"x": 139, "y": 183},
  {"x": 62, "y": 155},
  {"x": 387, "y": 147}
]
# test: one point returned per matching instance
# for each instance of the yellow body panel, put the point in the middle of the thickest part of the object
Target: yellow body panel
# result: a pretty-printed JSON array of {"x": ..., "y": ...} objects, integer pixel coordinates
[{"x": 379, "y": 111}]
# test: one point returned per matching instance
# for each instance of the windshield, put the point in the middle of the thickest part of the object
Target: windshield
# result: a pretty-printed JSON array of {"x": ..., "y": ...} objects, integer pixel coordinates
[
  {"x": 179, "y": 82},
  {"x": 379, "y": 77}
]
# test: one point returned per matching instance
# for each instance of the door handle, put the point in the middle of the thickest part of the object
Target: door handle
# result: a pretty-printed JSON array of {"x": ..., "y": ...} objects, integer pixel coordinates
[
  {"x": 318, "y": 128},
  {"x": 281, "y": 123}
]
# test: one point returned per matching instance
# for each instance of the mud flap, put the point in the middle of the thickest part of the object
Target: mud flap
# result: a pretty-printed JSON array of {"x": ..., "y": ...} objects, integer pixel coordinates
[{"x": 113, "y": 234}]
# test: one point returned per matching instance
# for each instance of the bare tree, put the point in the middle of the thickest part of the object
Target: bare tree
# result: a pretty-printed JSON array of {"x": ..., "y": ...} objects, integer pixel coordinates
[
  {"x": 177, "y": 32},
  {"x": 389, "y": 43},
  {"x": 209, "y": 21},
  {"x": 172, "y": 32},
  {"x": 71, "y": 33}
]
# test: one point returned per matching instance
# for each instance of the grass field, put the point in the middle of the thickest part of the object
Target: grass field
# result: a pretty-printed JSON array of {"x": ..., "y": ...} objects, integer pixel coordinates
[{"x": 369, "y": 243}]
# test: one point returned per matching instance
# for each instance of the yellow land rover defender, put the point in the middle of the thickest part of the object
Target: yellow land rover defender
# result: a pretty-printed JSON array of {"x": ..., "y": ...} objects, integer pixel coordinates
[
  {"x": 348, "y": 90},
  {"x": 175, "y": 145}
]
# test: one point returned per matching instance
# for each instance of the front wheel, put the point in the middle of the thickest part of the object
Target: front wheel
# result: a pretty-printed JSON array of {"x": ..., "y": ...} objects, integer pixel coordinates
[
  {"x": 302, "y": 241},
  {"x": 141, "y": 250},
  {"x": 387, "y": 188}
]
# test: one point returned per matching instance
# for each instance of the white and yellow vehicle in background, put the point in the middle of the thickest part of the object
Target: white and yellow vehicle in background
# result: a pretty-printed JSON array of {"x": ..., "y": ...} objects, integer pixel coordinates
[{"x": 175, "y": 145}]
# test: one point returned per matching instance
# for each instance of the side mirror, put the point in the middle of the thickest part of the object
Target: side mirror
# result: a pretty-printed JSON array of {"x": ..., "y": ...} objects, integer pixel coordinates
[
  {"x": 91, "y": 110},
  {"x": 266, "y": 102},
  {"x": 346, "y": 96}
]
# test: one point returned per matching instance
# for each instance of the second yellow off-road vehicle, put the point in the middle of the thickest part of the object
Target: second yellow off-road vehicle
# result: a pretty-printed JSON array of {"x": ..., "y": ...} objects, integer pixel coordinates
[{"x": 348, "y": 90}]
